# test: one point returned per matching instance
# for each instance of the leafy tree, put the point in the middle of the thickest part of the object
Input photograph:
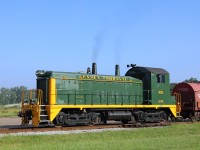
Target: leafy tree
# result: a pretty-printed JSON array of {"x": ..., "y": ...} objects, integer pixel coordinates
[
  {"x": 172, "y": 85},
  {"x": 12, "y": 95},
  {"x": 192, "y": 80},
  {"x": 4, "y": 96},
  {"x": 18, "y": 92}
]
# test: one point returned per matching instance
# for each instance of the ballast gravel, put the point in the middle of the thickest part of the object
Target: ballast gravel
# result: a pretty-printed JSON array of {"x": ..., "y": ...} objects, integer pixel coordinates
[{"x": 62, "y": 132}]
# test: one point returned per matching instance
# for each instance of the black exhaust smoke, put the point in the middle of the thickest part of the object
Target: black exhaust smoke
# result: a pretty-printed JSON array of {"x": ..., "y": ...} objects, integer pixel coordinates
[
  {"x": 117, "y": 70},
  {"x": 98, "y": 40},
  {"x": 94, "y": 68}
]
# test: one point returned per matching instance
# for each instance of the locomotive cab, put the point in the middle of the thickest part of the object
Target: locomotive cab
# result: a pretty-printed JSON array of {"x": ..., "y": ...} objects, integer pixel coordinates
[{"x": 156, "y": 87}]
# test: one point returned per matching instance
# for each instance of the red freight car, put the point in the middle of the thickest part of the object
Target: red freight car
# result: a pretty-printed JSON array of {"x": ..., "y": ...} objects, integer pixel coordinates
[{"x": 190, "y": 99}]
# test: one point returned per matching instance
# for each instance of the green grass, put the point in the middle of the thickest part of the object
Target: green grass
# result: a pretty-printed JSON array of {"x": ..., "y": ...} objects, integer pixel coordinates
[
  {"x": 178, "y": 136},
  {"x": 8, "y": 111}
]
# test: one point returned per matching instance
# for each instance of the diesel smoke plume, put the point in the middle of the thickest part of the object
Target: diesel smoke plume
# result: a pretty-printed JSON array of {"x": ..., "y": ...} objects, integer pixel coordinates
[
  {"x": 117, "y": 49},
  {"x": 97, "y": 45}
]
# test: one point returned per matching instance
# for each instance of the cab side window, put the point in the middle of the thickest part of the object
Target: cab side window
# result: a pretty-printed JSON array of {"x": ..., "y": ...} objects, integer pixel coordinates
[{"x": 160, "y": 78}]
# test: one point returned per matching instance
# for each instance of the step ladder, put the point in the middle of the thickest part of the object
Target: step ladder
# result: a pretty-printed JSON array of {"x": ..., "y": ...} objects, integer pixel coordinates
[{"x": 44, "y": 118}]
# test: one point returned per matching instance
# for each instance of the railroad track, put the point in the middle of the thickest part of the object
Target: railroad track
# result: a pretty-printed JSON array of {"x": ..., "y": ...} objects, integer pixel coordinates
[
  {"x": 56, "y": 128},
  {"x": 22, "y": 129}
]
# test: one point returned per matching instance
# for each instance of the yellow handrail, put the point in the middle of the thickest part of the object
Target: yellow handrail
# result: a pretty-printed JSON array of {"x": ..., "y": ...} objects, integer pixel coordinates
[
  {"x": 178, "y": 102},
  {"x": 33, "y": 95},
  {"x": 22, "y": 98},
  {"x": 40, "y": 96}
]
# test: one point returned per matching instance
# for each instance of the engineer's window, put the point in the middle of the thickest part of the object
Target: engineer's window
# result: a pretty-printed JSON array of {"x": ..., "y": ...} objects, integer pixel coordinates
[{"x": 160, "y": 78}]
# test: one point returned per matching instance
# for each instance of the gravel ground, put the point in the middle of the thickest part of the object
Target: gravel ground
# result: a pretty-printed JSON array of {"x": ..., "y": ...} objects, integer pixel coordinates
[
  {"x": 62, "y": 132},
  {"x": 8, "y": 121},
  {"x": 12, "y": 122}
]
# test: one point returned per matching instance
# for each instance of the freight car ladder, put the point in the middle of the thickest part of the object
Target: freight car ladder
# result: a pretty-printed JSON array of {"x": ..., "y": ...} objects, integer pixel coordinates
[{"x": 178, "y": 104}]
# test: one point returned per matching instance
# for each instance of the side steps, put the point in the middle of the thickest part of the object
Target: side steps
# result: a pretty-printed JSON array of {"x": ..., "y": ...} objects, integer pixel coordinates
[{"x": 44, "y": 119}]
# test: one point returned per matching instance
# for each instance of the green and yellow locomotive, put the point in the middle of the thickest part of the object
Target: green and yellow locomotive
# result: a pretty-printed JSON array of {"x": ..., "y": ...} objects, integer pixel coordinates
[{"x": 67, "y": 98}]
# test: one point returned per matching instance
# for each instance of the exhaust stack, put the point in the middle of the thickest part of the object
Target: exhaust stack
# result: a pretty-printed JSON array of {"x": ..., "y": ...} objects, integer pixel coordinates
[
  {"x": 94, "y": 68},
  {"x": 117, "y": 70}
]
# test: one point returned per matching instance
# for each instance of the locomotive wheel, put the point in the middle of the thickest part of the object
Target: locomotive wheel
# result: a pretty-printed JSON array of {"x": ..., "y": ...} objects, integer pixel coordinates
[
  {"x": 96, "y": 121},
  {"x": 60, "y": 118},
  {"x": 132, "y": 120},
  {"x": 164, "y": 116},
  {"x": 173, "y": 119}
]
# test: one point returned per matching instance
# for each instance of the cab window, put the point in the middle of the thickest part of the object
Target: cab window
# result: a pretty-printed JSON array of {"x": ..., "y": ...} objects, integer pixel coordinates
[{"x": 160, "y": 78}]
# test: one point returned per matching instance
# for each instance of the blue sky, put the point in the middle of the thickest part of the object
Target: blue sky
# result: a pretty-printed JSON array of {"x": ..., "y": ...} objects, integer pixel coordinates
[{"x": 70, "y": 35}]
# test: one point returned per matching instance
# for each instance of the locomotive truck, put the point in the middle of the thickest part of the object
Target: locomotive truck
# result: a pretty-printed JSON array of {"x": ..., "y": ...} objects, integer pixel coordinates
[{"x": 74, "y": 98}]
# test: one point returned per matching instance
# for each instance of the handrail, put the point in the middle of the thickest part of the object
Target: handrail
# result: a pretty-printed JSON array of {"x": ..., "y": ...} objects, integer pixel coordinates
[
  {"x": 178, "y": 102},
  {"x": 34, "y": 96},
  {"x": 40, "y": 96},
  {"x": 22, "y": 98}
]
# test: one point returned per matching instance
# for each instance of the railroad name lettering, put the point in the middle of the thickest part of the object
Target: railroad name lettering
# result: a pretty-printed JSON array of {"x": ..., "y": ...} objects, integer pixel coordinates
[{"x": 108, "y": 78}]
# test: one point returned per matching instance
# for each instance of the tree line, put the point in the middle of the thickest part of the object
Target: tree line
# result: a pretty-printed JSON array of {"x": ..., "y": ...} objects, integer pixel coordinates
[
  {"x": 13, "y": 95},
  {"x": 190, "y": 80}
]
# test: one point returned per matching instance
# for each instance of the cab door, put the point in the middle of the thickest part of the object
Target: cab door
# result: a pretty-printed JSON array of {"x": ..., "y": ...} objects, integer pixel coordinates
[{"x": 42, "y": 84}]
